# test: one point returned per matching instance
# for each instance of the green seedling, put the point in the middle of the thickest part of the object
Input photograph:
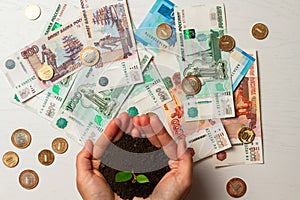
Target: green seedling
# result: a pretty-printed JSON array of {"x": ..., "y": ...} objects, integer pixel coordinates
[{"x": 126, "y": 176}]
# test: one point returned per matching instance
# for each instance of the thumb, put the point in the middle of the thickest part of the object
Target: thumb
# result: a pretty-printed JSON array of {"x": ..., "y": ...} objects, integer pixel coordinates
[{"x": 84, "y": 157}]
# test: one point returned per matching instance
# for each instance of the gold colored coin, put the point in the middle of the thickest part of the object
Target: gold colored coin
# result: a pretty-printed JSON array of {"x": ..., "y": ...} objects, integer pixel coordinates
[
  {"x": 46, "y": 157},
  {"x": 246, "y": 135},
  {"x": 10, "y": 159},
  {"x": 59, "y": 145},
  {"x": 226, "y": 43},
  {"x": 164, "y": 31},
  {"x": 236, "y": 187},
  {"x": 21, "y": 138},
  {"x": 45, "y": 72},
  {"x": 89, "y": 56},
  {"x": 191, "y": 85},
  {"x": 28, "y": 179},
  {"x": 260, "y": 31}
]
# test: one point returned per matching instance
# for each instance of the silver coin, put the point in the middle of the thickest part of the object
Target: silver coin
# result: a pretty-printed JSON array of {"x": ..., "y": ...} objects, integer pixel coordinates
[
  {"x": 32, "y": 11},
  {"x": 103, "y": 81},
  {"x": 10, "y": 64},
  {"x": 89, "y": 56}
]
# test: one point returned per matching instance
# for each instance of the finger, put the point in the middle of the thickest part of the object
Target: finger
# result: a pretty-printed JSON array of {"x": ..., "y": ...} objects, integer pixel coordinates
[
  {"x": 136, "y": 131},
  {"x": 167, "y": 143},
  {"x": 126, "y": 125},
  {"x": 84, "y": 157},
  {"x": 148, "y": 131},
  {"x": 110, "y": 133},
  {"x": 185, "y": 168}
]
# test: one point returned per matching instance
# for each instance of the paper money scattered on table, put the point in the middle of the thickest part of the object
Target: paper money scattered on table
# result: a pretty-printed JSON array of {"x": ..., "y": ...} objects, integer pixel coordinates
[
  {"x": 86, "y": 112},
  {"x": 108, "y": 28},
  {"x": 247, "y": 105},
  {"x": 207, "y": 137},
  {"x": 149, "y": 95},
  {"x": 201, "y": 56},
  {"x": 56, "y": 53}
]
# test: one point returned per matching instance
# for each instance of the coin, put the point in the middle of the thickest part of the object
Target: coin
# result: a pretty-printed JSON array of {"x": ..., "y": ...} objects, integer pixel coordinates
[
  {"x": 32, "y": 11},
  {"x": 260, "y": 31},
  {"x": 103, "y": 81},
  {"x": 191, "y": 85},
  {"x": 164, "y": 31},
  {"x": 246, "y": 135},
  {"x": 226, "y": 43},
  {"x": 60, "y": 145},
  {"x": 45, "y": 72},
  {"x": 46, "y": 157},
  {"x": 21, "y": 138},
  {"x": 236, "y": 187},
  {"x": 28, "y": 179},
  {"x": 10, "y": 159},
  {"x": 89, "y": 56}
]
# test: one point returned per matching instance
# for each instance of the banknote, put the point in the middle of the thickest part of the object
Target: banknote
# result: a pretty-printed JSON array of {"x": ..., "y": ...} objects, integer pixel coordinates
[
  {"x": 149, "y": 95},
  {"x": 240, "y": 63},
  {"x": 58, "y": 51},
  {"x": 207, "y": 137},
  {"x": 47, "y": 103},
  {"x": 201, "y": 56},
  {"x": 86, "y": 112},
  {"x": 64, "y": 12},
  {"x": 162, "y": 12},
  {"x": 108, "y": 28},
  {"x": 247, "y": 108}
]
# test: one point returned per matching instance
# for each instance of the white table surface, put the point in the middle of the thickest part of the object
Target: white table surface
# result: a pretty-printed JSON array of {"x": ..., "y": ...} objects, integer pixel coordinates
[{"x": 279, "y": 68}]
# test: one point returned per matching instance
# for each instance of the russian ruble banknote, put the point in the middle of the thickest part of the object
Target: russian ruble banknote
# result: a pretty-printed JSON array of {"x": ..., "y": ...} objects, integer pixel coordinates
[
  {"x": 64, "y": 12},
  {"x": 86, "y": 112},
  {"x": 108, "y": 28},
  {"x": 149, "y": 95},
  {"x": 47, "y": 103},
  {"x": 247, "y": 108},
  {"x": 198, "y": 29},
  {"x": 58, "y": 52},
  {"x": 240, "y": 63},
  {"x": 162, "y": 12},
  {"x": 207, "y": 137}
]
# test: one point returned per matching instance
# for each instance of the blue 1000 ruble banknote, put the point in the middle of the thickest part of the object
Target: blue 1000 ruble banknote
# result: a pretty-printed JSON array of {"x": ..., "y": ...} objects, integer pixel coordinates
[
  {"x": 59, "y": 52},
  {"x": 86, "y": 112},
  {"x": 108, "y": 29},
  {"x": 201, "y": 56}
]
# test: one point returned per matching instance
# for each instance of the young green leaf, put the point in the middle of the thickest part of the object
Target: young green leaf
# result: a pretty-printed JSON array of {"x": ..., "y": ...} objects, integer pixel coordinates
[
  {"x": 142, "y": 178},
  {"x": 123, "y": 176}
]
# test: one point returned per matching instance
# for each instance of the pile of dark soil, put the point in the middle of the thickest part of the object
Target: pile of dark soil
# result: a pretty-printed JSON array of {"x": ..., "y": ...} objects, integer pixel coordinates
[{"x": 137, "y": 155}]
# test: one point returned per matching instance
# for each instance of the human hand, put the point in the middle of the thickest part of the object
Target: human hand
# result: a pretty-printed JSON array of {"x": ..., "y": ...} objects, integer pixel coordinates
[
  {"x": 177, "y": 183},
  {"x": 91, "y": 184}
]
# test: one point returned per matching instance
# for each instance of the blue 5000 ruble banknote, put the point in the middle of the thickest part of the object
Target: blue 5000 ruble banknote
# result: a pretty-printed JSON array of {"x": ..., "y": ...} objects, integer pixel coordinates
[
  {"x": 56, "y": 54},
  {"x": 198, "y": 31},
  {"x": 86, "y": 112},
  {"x": 244, "y": 131},
  {"x": 108, "y": 28}
]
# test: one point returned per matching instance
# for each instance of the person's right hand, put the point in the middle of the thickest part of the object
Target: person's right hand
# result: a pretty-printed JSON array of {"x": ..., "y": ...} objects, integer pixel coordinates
[{"x": 176, "y": 184}]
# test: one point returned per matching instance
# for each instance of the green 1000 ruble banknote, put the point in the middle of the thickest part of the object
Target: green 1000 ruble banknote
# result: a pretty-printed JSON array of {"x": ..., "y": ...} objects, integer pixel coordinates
[
  {"x": 247, "y": 146},
  {"x": 149, "y": 95},
  {"x": 86, "y": 112},
  {"x": 198, "y": 31}
]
